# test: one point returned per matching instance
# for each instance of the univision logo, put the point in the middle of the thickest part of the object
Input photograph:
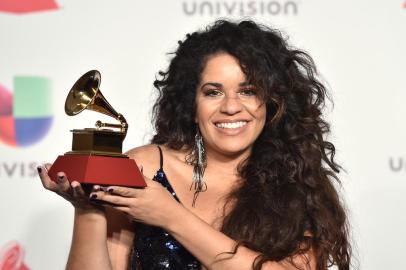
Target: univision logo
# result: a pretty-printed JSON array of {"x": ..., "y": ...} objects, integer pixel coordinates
[
  {"x": 25, "y": 117},
  {"x": 240, "y": 8},
  {"x": 397, "y": 164},
  {"x": 26, "y": 6}
]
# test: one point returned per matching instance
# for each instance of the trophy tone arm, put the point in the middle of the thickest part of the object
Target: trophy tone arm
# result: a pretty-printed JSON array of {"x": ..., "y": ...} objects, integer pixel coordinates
[{"x": 123, "y": 126}]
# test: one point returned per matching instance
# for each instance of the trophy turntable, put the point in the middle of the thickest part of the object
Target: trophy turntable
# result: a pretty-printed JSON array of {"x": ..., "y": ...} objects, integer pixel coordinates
[{"x": 96, "y": 156}]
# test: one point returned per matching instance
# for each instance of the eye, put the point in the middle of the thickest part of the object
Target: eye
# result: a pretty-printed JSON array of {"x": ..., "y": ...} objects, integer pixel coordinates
[
  {"x": 248, "y": 91},
  {"x": 212, "y": 92}
]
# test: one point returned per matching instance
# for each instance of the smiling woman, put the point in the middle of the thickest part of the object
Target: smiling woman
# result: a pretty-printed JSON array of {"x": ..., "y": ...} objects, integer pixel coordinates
[
  {"x": 239, "y": 175},
  {"x": 229, "y": 113}
]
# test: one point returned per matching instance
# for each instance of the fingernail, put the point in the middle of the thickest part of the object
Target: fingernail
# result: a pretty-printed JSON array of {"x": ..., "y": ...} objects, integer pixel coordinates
[
  {"x": 110, "y": 190},
  {"x": 39, "y": 169},
  {"x": 93, "y": 196},
  {"x": 60, "y": 178},
  {"x": 74, "y": 186}
]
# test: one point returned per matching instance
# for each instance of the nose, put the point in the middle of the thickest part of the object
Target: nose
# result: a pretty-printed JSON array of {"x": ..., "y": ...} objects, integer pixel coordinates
[{"x": 231, "y": 105}]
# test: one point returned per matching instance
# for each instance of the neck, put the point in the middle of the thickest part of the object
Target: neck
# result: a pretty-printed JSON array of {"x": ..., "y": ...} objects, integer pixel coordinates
[{"x": 225, "y": 163}]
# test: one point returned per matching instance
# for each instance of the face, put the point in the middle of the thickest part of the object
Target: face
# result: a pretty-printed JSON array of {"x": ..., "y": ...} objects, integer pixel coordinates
[{"x": 229, "y": 113}]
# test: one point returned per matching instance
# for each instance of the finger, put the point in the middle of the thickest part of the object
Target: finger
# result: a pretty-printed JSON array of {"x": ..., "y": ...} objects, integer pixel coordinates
[
  {"x": 63, "y": 183},
  {"x": 100, "y": 203},
  {"x": 123, "y": 191},
  {"x": 124, "y": 209},
  {"x": 111, "y": 199},
  {"x": 77, "y": 189},
  {"x": 45, "y": 180},
  {"x": 96, "y": 188},
  {"x": 47, "y": 166}
]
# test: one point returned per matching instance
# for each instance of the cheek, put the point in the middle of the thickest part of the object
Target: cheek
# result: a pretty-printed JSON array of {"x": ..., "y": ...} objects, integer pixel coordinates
[
  {"x": 204, "y": 109},
  {"x": 262, "y": 113},
  {"x": 199, "y": 113},
  {"x": 258, "y": 111}
]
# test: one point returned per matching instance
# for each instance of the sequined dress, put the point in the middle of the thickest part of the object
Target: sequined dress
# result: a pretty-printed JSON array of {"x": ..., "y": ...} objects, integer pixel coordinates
[{"x": 154, "y": 248}]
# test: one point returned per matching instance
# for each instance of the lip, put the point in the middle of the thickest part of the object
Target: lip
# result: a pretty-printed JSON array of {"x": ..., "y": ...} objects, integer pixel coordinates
[
  {"x": 231, "y": 121},
  {"x": 231, "y": 131}
]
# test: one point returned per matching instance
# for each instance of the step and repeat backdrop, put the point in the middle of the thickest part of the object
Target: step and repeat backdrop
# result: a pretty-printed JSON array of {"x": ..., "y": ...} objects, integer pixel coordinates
[{"x": 46, "y": 45}]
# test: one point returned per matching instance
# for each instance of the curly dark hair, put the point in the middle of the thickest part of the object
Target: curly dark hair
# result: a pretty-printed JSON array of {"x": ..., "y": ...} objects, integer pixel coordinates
[{"x": 287, "y": 201}]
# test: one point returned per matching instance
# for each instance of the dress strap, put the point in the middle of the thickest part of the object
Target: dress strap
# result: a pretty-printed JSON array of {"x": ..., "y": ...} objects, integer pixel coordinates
[
  {"x": 161, "y": 158},
  {"x": 161, "y": 178}
]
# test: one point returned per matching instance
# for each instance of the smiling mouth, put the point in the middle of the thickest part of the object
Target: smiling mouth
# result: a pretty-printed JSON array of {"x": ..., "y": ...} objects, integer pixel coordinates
[{"x": 231, "y": 125}]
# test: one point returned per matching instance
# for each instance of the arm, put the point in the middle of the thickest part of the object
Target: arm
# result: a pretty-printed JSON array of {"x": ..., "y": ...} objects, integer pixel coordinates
[
  {"x": 207, "y": 244},
  {"x": 120, "y": 237},
  {"x": 100, "y": 241},
  {"x": 107, "y": 238},
  {"x": 203, "y": 241},
  {"x": 89, "y": 249},
  {"x": 102, "y": 238}
]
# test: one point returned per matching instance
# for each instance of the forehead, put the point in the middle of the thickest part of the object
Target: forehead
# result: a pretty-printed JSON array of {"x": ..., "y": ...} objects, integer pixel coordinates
[{"x": 222, "y": 66}]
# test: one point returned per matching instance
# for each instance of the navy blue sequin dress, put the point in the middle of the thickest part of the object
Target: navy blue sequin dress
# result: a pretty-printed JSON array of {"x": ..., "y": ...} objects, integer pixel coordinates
[{"x": 155, "y": 249}]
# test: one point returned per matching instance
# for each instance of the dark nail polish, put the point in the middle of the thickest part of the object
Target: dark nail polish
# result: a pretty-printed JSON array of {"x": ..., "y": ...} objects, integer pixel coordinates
[
  {"x": 60, "y": 178},
  {"x": 93, "y": 196},
  {"x": 110, "y": 190},
  {"x": 39, "y": 169}
]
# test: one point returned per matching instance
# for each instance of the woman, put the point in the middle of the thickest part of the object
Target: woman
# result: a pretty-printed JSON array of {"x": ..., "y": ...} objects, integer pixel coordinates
[{"x": 239, "y": 137}]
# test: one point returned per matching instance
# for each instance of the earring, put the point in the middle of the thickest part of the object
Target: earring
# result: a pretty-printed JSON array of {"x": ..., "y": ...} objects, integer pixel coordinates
[{"x": 199, "y": 165}]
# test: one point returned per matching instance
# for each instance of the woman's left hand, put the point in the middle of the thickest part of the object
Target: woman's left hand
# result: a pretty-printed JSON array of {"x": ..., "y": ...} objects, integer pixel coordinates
[{"x": 152, "y": 205}]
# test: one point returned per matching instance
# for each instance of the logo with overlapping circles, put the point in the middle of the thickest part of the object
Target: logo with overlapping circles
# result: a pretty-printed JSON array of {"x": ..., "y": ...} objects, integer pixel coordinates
[
  {"x": 26, "y": 114},
  {"x": 27, "y": 6}
]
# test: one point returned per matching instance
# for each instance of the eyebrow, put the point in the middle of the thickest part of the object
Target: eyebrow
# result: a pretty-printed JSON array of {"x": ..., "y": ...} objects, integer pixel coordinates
[{"x": 220, "y": 85}]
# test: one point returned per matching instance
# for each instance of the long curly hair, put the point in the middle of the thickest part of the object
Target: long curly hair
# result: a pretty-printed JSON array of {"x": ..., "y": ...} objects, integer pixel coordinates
[{"x": 287, "y": 202}]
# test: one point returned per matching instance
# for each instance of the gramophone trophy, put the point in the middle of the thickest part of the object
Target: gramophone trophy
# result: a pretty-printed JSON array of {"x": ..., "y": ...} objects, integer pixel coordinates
[{"x": 96, "y": 156}]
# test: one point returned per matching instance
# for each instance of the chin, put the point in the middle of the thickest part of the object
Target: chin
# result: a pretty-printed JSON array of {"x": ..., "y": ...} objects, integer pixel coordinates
[{"x": 232, "y": 149}]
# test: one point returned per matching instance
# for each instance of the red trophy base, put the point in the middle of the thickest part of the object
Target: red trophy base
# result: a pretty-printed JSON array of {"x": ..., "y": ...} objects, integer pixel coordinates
[{"x": 100, "y": 170}]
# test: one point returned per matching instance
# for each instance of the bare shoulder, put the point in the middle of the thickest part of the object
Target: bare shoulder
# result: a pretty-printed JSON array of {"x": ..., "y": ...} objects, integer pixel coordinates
[
  {"x": 146, "y": 156},
  {"x": 142, "y": 152}
]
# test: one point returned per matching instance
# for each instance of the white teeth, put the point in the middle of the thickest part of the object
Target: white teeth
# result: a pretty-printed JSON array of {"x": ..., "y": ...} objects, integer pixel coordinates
[{"x": 231, "y": 125}]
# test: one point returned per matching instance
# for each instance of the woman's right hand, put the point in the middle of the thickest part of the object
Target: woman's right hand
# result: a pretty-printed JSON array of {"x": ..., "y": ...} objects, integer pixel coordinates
[{"x": 70, "y": 191}]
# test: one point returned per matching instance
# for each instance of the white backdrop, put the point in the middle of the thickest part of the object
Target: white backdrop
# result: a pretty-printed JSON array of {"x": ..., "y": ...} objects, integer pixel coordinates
[{"x": 358, "y": 46}]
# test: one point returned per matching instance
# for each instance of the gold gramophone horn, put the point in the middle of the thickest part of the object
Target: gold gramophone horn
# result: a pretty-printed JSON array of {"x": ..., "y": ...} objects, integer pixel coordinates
[{"x": 86, "y": 94}]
